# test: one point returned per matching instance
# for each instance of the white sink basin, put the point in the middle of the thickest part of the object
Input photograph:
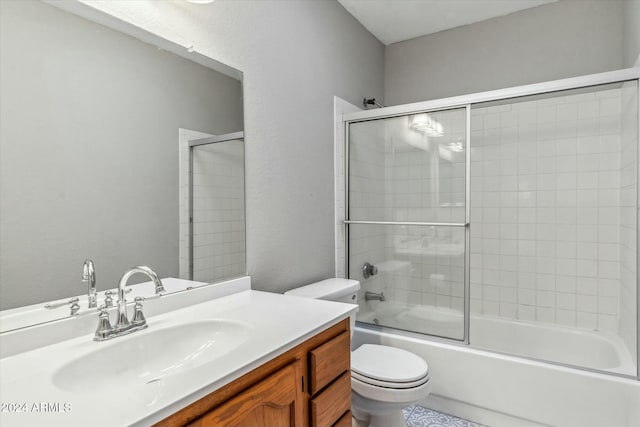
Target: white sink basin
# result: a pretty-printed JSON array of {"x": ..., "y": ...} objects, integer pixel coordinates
[{"x": 148, "y": 356}]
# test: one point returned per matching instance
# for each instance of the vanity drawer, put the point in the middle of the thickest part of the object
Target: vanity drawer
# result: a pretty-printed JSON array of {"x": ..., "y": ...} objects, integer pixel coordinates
[
  {"x": 330, "y": 405},
  {"x": 328, "y": 361}
]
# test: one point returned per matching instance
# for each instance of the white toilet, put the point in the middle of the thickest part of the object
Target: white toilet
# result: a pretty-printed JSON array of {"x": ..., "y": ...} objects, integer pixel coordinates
[{"x": 384, "y": 380}]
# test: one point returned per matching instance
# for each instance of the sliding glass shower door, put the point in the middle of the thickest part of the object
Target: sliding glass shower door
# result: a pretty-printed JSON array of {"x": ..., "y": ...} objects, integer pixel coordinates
[
  {"x": 510, "y": 223},
  {"x": 407, "y": 220}
]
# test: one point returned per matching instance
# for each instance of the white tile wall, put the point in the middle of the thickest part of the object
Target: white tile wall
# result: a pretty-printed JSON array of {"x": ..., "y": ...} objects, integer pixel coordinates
[
  {"x": 546, "y": 209},
  {"x": 427, "y": 179}
]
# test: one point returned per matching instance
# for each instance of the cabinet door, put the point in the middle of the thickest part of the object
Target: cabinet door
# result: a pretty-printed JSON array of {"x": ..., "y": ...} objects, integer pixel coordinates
[{"x": 276, "y": 401}]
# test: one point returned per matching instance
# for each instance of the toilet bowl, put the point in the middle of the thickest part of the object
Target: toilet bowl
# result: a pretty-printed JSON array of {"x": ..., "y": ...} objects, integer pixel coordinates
[{"x": 384, "y": 380}]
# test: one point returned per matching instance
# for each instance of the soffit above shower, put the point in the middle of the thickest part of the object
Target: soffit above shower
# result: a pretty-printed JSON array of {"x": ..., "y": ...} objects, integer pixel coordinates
[{"x": 392, "y": 21}]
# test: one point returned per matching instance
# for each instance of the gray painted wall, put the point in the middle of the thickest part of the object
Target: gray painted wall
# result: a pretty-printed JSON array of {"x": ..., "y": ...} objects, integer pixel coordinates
[
  {"x": 631, "y": 32},
  {"x": 295, "y": 56},
  {"x": 558, "y": 40},
  {"x": 89, "y": 150}
]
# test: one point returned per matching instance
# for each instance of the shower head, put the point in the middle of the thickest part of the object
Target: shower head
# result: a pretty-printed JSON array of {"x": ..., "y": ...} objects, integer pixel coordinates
[{"x": 371, "y": 101}]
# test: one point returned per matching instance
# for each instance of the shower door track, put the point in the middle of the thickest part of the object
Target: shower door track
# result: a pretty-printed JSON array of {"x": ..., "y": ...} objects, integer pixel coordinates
[
  {"x": 462, "y": 101},
  {"x": 218, "y": 138}
]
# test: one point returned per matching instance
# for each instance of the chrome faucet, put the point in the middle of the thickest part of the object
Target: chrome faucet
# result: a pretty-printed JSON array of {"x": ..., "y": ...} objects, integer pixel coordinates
[
  {"x": 123, "y": 327},
  {"x": 368, "y": 296},
  {"x": 89, "y": 276}
]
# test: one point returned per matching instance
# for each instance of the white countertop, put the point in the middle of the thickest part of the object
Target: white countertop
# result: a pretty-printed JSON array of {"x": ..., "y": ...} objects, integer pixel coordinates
[{"x": 278, "y": 323}]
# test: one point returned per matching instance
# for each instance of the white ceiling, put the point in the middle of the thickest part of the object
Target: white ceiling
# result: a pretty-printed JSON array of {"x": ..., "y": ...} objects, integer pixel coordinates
[{"x": 392, "y": 21}]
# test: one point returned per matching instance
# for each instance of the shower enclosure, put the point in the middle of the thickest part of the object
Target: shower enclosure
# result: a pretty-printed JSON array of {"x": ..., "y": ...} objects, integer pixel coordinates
[
  {"x": 505, "y": 221},
  {"x": 216, "y": 223}
]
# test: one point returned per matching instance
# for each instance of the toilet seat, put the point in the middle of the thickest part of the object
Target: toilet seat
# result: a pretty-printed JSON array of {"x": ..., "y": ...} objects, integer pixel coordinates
[
  {"x": 390, "y": 395},
  {"x": 388, "y": 367},
  {"x": 389, "y": 384}
]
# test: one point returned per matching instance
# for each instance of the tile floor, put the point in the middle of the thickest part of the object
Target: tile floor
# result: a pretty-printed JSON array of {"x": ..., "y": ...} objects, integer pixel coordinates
[{"x": 419, "y": 416}]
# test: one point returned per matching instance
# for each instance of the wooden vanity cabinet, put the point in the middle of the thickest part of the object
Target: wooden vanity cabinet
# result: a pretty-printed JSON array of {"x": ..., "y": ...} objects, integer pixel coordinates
[
  {"x": 309, "y": 385},
  {"x": 273, "y": 401}
]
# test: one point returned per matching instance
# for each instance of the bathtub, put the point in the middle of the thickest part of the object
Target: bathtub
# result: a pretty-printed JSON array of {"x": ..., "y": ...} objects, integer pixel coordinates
[
  {"x": 503, "y": 390},
  {"x": 569, "y": 346}
]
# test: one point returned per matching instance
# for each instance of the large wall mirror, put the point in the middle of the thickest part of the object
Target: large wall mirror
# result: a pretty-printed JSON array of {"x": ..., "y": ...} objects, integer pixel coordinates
[{"x": 98, "y": 158}]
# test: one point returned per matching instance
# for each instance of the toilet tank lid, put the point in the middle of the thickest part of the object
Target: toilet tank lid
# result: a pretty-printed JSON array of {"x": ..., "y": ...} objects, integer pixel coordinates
[{"x": 327, "y": 289}]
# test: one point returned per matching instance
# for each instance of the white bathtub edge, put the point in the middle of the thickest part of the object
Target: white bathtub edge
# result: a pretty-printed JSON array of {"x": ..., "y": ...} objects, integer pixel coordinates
[{"x": 523, "y": 389}]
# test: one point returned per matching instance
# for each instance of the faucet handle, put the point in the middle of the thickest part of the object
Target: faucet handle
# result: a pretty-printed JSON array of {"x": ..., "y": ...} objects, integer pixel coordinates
[
  {"x": 104, "y": 325},
  {"x": 138, "y": 316},
  {"x": 108, "y": 299},
  {"x": 75, "y": 307},
  {"x": 369, "y": 270}
]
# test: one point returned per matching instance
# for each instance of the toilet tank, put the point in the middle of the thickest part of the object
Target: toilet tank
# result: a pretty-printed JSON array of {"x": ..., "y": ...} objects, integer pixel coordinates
[
  {"x": 336, "y": 289},
  {"x": 339, "y": 290}
]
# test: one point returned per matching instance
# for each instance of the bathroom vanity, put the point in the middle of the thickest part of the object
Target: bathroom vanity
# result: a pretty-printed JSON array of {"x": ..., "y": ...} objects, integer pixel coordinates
[
  {"x": 307, "y": 385},
  {"x": 244, "y": 358}
]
